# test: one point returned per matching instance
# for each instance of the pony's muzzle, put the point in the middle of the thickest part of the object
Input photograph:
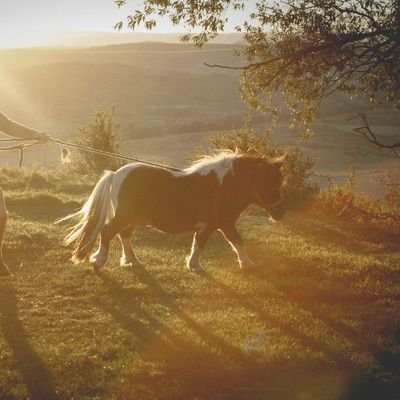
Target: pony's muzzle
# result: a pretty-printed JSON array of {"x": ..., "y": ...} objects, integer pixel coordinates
[{"x": 277, "y": 212}]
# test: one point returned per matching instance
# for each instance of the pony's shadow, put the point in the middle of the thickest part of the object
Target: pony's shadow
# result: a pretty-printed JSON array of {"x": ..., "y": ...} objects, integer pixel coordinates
[
  {"x": 122, "y": 299},
  {"x": 188, "y": 354},
  {"x": 36, "y": 377}
]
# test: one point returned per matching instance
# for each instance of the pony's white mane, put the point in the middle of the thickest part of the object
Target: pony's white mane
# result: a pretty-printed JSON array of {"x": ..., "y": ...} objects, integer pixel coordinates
[{"x": 220, "y": 163}]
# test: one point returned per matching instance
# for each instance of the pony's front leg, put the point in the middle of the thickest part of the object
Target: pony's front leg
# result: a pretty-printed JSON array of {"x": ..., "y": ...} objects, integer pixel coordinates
[
  {"x": 100, "y": 257},
  {"x": 236, "y": 242},
  {"x": 128, "y": 257},
  {"x": 199, "y": 241}
]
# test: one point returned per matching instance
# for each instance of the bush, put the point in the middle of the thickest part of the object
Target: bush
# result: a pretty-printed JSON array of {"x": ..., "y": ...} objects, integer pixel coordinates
[
  {"x": 297, "y": 167},
  {"x": 102, "y": 134},
  {"x": 335, "y": 198},
  {"x": 392, "y": 192},
  {"x": 342, "y": 201}
]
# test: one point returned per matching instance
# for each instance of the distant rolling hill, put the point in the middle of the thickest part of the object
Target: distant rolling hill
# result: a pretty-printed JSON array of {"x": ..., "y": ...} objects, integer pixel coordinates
[
  {"x": 150, "y": 84},
  {"x": 166, "y": 98}
]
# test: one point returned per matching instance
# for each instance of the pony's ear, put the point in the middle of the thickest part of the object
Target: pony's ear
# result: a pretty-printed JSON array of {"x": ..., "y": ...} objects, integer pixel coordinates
[
  {"x": 278, "y": 161},
  {"x": 252, "y": 151}
]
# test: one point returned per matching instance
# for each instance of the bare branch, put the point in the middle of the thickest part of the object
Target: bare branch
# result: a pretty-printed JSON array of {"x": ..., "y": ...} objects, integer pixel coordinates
[
  {"x": 377, "y": 215},
  {"x": 367, "y": 132}
]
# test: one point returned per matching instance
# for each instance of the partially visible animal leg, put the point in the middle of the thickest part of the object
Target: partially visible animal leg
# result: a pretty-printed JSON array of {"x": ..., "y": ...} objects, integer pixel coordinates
[
  {"x": 128, "y": 257},
  {"x": 199, "y": 241},
  {"x": 115, "y": 226},
  {"x": 236, "y": 242},
  {"x": 3, "y": 220}
]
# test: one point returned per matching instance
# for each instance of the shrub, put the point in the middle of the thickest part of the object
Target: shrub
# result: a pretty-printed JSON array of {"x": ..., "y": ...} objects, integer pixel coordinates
[
  {"x": 392, "y": 192},
  {"x": 102, "y": 134},
  {"x": 342, "y": 201},
  {"x": 335, "y": 198},
  {"x": 297, "y": 168}
]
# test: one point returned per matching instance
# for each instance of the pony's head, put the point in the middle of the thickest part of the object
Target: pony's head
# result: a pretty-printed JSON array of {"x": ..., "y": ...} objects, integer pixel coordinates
[{"x": 265, "y": 180}]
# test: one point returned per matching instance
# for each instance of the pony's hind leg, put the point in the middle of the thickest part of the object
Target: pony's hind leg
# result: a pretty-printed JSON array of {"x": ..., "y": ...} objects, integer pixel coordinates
[
  {"x": 128, "y": 257},
  {"x": 115, "y": 226}
]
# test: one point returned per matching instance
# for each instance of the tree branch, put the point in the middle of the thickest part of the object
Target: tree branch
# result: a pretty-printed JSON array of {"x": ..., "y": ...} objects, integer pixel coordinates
[
  {"x": 367, "y": 132},
  {"x": 338, "y": 42}
]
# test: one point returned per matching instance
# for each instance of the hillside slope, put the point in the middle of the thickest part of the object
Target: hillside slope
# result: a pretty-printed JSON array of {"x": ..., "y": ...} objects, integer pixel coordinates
[{"x": 317, "y": 319}]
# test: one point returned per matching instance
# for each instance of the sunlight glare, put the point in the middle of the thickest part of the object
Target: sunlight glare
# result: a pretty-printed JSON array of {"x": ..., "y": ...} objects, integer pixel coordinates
[{"x": 16, "y": 97}]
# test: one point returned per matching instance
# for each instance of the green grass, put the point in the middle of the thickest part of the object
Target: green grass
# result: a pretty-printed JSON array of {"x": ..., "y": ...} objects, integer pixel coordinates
[{"x": 318, "y": 319}]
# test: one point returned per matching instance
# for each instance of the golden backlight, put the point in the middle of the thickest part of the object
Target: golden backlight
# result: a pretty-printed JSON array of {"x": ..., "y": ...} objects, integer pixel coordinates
[{"x": 16, "y": 96}]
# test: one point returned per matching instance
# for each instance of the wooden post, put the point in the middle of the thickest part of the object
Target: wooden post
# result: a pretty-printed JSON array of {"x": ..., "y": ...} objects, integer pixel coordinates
[{"x": 3, "y": 220}]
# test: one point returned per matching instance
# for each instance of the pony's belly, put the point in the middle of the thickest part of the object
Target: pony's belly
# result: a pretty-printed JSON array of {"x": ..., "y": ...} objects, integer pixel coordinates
[
  {"x": 177, "y": 219},
  {"x": 172, "y": 227}
]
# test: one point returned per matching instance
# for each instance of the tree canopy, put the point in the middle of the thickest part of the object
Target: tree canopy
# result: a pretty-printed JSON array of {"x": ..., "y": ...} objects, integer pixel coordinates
[{"x": 304, "y": 49}]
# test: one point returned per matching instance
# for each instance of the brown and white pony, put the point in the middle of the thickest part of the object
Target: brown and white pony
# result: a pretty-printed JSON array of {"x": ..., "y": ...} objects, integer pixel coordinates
[{"x": 210, "y": 195}]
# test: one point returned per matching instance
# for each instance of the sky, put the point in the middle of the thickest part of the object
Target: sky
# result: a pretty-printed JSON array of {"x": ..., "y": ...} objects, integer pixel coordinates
[
  {"x": 32, "y": 22},
  {"x": 26, "y": 21}
]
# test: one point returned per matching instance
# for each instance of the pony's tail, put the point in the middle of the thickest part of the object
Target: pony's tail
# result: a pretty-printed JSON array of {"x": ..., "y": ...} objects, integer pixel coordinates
[{"x": 93, "y": 215}]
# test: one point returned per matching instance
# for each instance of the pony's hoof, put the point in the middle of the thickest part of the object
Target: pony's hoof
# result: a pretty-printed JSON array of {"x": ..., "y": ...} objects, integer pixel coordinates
[
  {"x": 130, "y": 263},
  {"x": 125, "y": 264},
  {"x": 96, "y": 267},
  {"x": 195, "y": 267},
  {"x": 97, "y": 262}
]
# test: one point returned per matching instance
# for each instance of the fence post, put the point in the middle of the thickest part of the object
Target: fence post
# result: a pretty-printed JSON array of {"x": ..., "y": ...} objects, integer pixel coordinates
[
  {"x": 21, "y": 156},
  {"x": 3, "y": 220}
]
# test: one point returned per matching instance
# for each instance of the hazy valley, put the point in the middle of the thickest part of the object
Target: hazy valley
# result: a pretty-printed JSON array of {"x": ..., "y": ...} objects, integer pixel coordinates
[{"x": 167, "y": 103}]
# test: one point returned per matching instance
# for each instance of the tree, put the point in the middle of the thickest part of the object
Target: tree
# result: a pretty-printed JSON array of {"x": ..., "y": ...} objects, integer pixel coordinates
[
  {"x": 304, "y": 49},
  {"x": 102, "y": 133}
]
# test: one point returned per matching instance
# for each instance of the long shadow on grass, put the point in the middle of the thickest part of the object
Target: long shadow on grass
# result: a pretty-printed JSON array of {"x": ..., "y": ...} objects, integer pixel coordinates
[
  {"x": 200, "y": 364},
  {"x": 123, "y": 300},
  {"x": 37, "y": 378},
  {"x": 357, "y": 337},
  {"x": 35, "y": 245},
  {"x": 128, "y": 314},
  {"x": 382, "y": 378},
  {"x": 286, "y": 327},
  {"x": 335, "y": 301}
]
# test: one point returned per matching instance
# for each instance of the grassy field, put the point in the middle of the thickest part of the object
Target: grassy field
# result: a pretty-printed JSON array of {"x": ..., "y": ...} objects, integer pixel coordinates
[{"x": 318, "y": 319}]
